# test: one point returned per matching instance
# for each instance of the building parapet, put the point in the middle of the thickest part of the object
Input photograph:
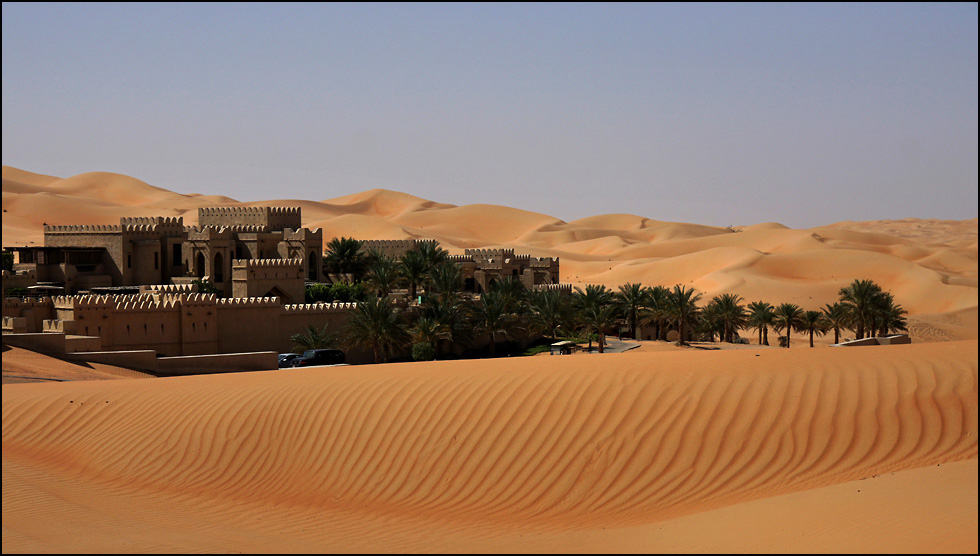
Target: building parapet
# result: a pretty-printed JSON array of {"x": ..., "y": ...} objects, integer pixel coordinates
[
  {"x": 336, "y": 307},
  {"x": 489, "y": 252},
  {"x": 249, "y": 302},
  {"x": 168, "y": 288},
  {"x": 83, "y": 229},
  {"x": 266, "y": 263},
  {"x": 562, "y": 288}
]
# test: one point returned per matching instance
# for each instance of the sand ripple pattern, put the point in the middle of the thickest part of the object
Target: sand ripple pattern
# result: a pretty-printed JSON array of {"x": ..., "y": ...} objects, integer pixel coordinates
[{"x": 619, "y": 438}]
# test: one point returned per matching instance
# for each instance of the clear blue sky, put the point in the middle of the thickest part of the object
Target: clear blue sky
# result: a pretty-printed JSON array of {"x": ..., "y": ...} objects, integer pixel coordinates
[{"x": 715, "y": 114}]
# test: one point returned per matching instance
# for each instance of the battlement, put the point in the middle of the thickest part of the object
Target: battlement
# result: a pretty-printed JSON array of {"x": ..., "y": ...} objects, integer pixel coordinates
[
  {"x": 267, "y": 263},
  {"x": 208, "y": 233},
  {"x": 242, "y": 302},
  {"x": 302, "y": 233},
  {"x": 83, "y": 229},
  {"x": 561, "y": 288},
  {"x": 241, "y": 229},
  {"x": 485, "y": 253},
  {"x": 276, "y": 218},
  {"x": 309, "y": 308},
  {"x": 168, "y": 288},
  {"x": 26, "y": 303},
  {"x": 460, "y": 259},
  {"x": 172, "y": 226}
]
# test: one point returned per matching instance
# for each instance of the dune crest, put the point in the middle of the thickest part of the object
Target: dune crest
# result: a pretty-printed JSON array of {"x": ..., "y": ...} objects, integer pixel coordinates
[{"x": 930, "y": 265}]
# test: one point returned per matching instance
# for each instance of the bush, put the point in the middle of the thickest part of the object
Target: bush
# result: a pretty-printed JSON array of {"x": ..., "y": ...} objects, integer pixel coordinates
[
  {"x": 15, "y": 292},
  {"x": 340, "y": 292},
  {"x": 8, "y": 260},
  {"x": 205, "y": 286},
  {"x": 423, "y": 351}
]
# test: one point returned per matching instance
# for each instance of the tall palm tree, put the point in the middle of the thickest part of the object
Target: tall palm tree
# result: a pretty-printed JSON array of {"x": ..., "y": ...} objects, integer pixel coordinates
[
  {"x": 682, "y": 309},
  {"x": 888, "y": 316},
  {"x": 383, "y": 274},
  {"x": 788, "y": 316},
  {"x": 344, "y": 257},
  {"x": 513, "y": 293},
  {"x": 731, "y": 313},
  {"x": 589, "y": 300},
  {"x": 761, "y": 318},
  {"x": 376, "y": 325},
  {"x": 860, "y": 298},
  {"x": 655, "y": 312},
  {"x": 313, "y": 338},
  {"x": 415, "y": 272},
  {"x": 709, "y": 322},
  {"x": 597, "y": 319},
  {"x": 837, "y": 317},
  {"x": 446, "y": 278},
  {"x": 632, "y": 298},
  {"x": 455, "y": 315},
  {"x": 493, "y": 318},
  {"x": 550, "y": 313},
  {"x": 814, "y": 323},
  {"x": 432, "y": 253},
  {"x": 428, "y": 331}
]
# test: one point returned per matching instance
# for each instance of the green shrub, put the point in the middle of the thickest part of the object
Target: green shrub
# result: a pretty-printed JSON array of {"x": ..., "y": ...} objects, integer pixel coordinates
[
  {"x": 8, "y": 260},
  {"x": 423, "y": 351}
]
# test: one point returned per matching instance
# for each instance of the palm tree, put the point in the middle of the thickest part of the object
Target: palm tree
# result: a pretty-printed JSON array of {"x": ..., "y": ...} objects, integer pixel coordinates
[
  {"x": 655, "y": 312},
  {"x": 550, "y": 313},
  {"x": 344, "y": 257},
  {"x": 429, "y": 332},
  {"x": 860, "y": 297},
  {"x": 682, "y": 309},
  {"x": 709, "y": 322},
  {"x": 597, "y": 319},
  {"x": 837, "y": 317},
  {"x": 384, "y": 274},
  {"x": 760, "y": 318},
  {"x": 376, "y": 325},
  {"x": 455, "y": 315},
  {"x": 813, "y": 323},
  {"x": 788, "y": 316},
  {"x": 589, "y": 301},
  {"x": 313, "y": 338},
  {"x": 888, "y": 316},
  {"x": 632, "y": 298},
  {"x": 492, "y": 317},
  {"x": 432, "y": 253},
  {"x": 446, "y": 278},
  {"x": 731, "y": 313},
  {"x": 415, "y": 272},
  {"x": 513, "y": 293}
]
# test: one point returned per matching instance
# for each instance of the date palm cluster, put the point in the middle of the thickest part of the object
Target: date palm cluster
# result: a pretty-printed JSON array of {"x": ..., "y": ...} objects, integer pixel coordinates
[{"x": 446, "y": 319}]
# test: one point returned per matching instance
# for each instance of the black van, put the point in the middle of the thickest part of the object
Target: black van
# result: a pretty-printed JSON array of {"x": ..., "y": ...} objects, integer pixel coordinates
[{"x": 319, "y": 357}]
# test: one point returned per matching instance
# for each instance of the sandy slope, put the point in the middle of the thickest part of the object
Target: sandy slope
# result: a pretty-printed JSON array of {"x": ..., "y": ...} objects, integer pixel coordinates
[
  {"x": 650, "y": 451},
  {"x": 930, "y": 265},
  {"x": 663, "y": 449}
]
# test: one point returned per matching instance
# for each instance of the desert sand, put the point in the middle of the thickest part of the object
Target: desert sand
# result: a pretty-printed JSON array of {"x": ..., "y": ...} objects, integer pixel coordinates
[{"x": 659, "y": 449}]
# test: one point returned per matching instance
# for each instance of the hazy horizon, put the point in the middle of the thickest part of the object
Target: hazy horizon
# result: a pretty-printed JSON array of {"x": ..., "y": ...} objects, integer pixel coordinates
[{"x": 712, "y": 114}]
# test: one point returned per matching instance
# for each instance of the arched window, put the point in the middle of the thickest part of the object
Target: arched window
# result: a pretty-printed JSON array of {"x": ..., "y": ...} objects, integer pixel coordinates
[
  {"x": 311, "y": 262},
  {"x": 200, "y": 265}
]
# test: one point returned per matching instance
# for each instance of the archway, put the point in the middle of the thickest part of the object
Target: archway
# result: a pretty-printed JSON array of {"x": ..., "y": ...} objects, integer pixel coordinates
[
  {"x": 200, "y": 266},
  {"x": 311, "y": 263},
  {"x": 219, "y": 268}
]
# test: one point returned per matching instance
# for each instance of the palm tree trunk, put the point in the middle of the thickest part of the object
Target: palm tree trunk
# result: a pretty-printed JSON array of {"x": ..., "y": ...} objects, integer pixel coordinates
[
  {"x": 765, "y": 335},
  {"x": 836, "y": 335},
  {"x": 811, "y": 338}
]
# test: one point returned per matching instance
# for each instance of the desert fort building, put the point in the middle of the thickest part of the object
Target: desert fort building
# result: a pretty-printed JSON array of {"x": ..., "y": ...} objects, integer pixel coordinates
[{"x": 133, "y": 287}]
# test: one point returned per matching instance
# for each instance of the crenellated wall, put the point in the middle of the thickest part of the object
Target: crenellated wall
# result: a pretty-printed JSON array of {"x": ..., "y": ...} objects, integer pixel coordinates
[
  {"x": 275, "y": 218},
  {"x": 282, "y": 278}
]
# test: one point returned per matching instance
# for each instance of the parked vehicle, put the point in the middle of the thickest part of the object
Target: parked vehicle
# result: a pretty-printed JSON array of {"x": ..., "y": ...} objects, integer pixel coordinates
[
  {"x": 319, "y": 357},
  {"x": 286, "y": 359}
]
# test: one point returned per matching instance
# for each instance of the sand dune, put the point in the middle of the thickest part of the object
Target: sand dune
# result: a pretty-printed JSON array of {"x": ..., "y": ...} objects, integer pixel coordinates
[
  {"x": 660, "y": 450},
  {"x": 479, "y": 450}
]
